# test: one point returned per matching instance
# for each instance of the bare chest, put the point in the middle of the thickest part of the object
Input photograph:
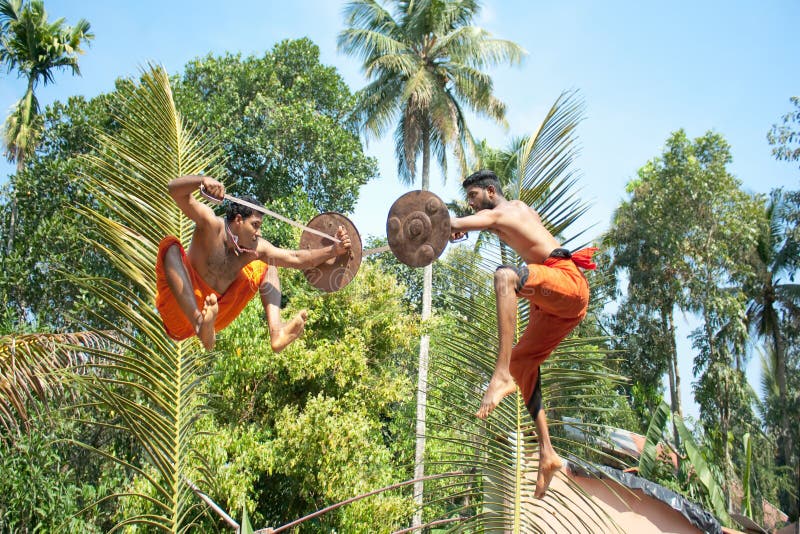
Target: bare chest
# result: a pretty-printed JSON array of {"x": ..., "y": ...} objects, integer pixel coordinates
[{"x": 221, "y": 268}]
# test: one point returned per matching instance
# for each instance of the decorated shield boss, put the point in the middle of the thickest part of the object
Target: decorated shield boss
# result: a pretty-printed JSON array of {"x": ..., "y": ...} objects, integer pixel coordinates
[
  {"x": 417, "y": 228},
  {"x": 337, "y": 272}
]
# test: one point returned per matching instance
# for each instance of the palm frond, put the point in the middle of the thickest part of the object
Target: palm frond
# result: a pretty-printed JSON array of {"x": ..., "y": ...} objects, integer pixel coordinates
[
  {"x": 546, "y": 181},
  {"x": 655, "y": 431},
  {"x": 474, "y": 47},
  {"x": 788, "y": 293},
  {"x": 23, "y": 128},
  {"x": 377, "y": 106},
  {"x": 32, "y": 368},
  {"x": 370, "y": 31},
  {"x": 769, "y": 382},
  {"x": 148, "y": 380},
  {"x": 747, "y": 500}
]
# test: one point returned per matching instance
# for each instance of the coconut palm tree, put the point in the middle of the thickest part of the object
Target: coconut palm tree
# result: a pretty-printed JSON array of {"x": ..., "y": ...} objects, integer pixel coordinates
[
  {"x": 775, "y": 258},
  {"x": 424, "y": 60},
  {"x": 35, "y": 48},
  {"x": 149, "y": 381},
  {"x": 132, "y": 370},
  {"x": 493, "y": 491}
]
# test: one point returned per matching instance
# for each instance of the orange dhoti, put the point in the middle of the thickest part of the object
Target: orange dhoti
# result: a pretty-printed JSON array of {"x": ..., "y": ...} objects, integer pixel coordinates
[
  {"x": 559, "y": 297},
  {"x": 230, "y": 303}
]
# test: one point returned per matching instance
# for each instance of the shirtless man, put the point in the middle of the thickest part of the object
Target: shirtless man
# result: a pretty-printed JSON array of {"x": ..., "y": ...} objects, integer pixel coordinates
[
  {"x": 200, "y": 291},
  {"x": 557, "y": 290}
]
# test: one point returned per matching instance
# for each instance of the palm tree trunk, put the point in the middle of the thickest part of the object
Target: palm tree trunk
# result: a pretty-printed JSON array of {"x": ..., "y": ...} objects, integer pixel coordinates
[
  {"x": 424, "y": 347},
  {"x": 668, "y": 326}
]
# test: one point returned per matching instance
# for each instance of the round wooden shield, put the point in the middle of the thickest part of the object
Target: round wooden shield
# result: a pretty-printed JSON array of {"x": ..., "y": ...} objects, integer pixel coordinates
[
  {"x": 418, "y": 228},
  {"x": 337, "y": 272}
]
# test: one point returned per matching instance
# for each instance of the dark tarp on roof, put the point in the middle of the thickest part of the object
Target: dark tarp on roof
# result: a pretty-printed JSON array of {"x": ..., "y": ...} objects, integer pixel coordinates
[{"x": 695, "y": 514}]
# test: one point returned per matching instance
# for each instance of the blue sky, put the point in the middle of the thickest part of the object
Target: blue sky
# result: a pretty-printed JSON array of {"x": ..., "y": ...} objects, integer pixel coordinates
[{"x": 644, "y": 69}]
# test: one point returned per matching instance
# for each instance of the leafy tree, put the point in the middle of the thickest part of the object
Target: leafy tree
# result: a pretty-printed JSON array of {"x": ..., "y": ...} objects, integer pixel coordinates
[
  {"x": 638, "y": 335},
  {"x": 423, "y": 60},
  {"x": 35, "y": 48},
  {"x": 36, "y": 423},
  {"x": 284, "y": 122},
  {"x": 326, "y": 419},
  {"x": 650, "y": 257},
  {"x": 785, "y": 137},
  {"x": 40, "y": 489},
  {"x": 783, "y": 475},
  {"x": 694, "y": 254},
  {"x": 32, "y": 282},
  {"x": 718, "y": 245}
]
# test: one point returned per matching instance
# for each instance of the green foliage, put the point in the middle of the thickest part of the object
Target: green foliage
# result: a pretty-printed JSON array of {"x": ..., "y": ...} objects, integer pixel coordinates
[
  {"x": 45, "y": 484},
  {"x": 747, "y": 500},
  {"x": 325, "y": 419},
  {"x": 639, "y": 335},
  {"x": 702, "y": 464},
  {"x": 247, "y": 528},
  {"x": 775, "y": 477},
  {"x": 44, "y": 194},
  {"x": 32, "y": 373},
  {"x": 773, "y": 300},
  {"x": 698, "y": 478},
  {"x": 785, "y": 136},
  {"x": 654, "y": 432},
  {"x": 693, "y": 254},
  {"x": 284, "y": 122},
  {"x": 725, "y": 256}
]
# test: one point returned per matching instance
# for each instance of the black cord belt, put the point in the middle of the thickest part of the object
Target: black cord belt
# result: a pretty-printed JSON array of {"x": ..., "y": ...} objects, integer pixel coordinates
[{"x": 562, "y": 253}]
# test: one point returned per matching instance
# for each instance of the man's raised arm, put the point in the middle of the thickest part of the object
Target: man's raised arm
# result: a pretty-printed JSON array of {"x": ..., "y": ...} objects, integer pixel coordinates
[{"x": 181, "y": 189}]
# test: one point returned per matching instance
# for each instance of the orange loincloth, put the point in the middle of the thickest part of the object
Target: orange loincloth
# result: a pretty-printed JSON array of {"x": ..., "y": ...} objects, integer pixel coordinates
[
  {"x": 559, "y": 296},
  {"x": 230, "y": 303}
]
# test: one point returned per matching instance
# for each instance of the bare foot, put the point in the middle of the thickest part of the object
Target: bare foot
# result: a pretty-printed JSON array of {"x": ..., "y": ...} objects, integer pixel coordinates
[
  {"x": 500, "y": 386},
  {"x": 547, "y": 468},
  {"x": 205, "y": 322},
  {"x": 288, "y": 332}
]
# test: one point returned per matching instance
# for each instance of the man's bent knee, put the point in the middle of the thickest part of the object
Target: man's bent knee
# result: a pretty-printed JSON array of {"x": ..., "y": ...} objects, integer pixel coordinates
[{"x": 511, "y": 277}]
